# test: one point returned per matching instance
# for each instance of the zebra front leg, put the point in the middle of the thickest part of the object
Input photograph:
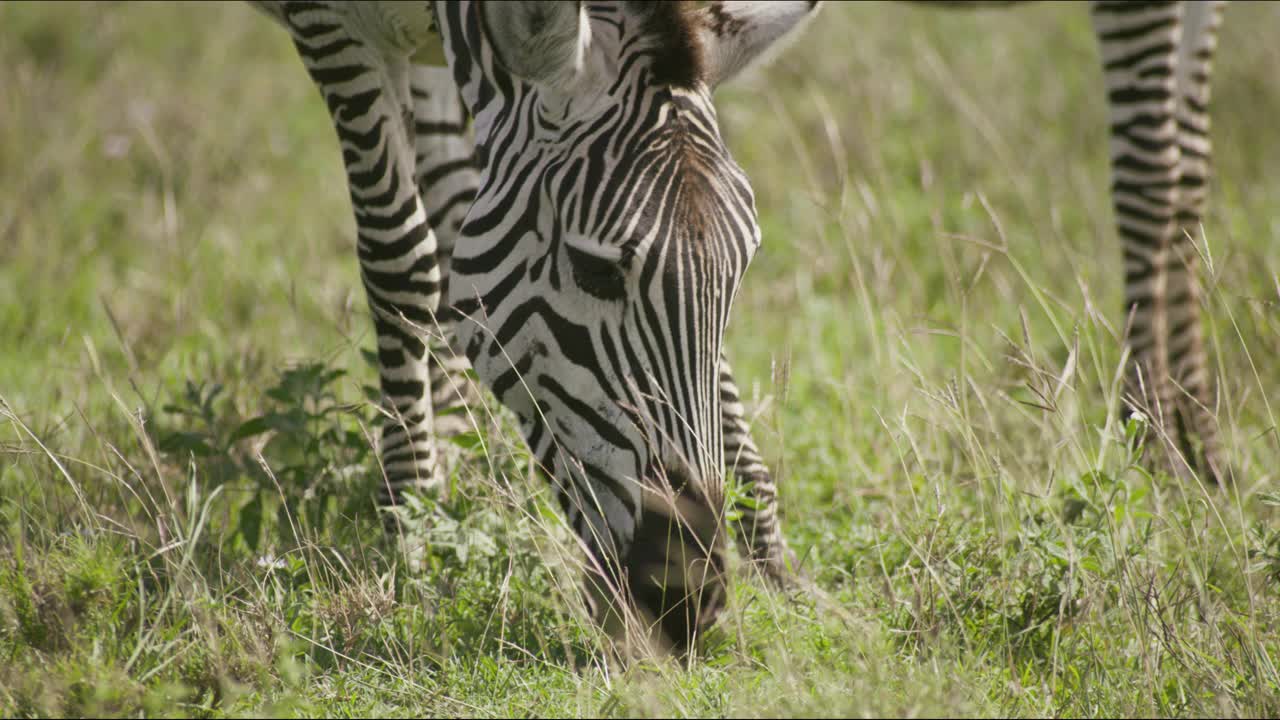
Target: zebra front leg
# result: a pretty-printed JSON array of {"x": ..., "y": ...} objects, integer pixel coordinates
[
  {"x": 757, "y": 525},
  {"x": 1188, "y": 360},
  {"x": 367, "y": 93}
]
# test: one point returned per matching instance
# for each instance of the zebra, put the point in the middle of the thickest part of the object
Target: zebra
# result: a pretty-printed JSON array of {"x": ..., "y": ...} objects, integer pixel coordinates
[
  {"x": 597, "y": 231},
  {"x": 1157, "y": 61}
]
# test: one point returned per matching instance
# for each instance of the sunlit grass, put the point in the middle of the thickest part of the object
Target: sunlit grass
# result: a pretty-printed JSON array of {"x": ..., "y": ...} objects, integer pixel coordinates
[{"x": 928, "y": 341}]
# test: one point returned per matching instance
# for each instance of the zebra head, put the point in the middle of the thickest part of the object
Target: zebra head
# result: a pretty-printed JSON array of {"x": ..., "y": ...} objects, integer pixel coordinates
[{"x": 594, "y": 273}]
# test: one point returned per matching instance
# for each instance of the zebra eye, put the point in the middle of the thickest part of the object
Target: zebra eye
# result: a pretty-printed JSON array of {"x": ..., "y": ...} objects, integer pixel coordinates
[{"x": 600, "y": 277}]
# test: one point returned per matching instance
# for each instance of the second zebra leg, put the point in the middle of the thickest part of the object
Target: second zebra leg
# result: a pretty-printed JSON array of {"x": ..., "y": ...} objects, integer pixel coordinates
[{"x": 757, "y": 524}]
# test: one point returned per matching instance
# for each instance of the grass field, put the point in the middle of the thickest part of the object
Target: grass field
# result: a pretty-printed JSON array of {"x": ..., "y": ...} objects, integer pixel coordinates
[{"x": 929, "y": 340}]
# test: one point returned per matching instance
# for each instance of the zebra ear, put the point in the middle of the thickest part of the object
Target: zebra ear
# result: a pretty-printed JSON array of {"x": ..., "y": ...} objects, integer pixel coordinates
[
  {"x": 738, "y": 33},
  {"x": 541, "y": 41}
]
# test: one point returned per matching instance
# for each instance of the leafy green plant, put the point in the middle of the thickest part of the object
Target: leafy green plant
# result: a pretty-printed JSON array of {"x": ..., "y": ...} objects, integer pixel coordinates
[{"x": 303, "y": 460}]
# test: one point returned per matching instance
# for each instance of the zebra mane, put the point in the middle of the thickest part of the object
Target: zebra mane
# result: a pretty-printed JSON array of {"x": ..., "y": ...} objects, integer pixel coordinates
[{"x": 678, "y": 56}]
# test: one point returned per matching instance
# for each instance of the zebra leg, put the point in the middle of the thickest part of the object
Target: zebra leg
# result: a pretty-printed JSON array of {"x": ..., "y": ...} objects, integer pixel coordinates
[
  {"x": 368, "y": 98},
  {"x": 1188, "y": 360},
  {"x": 758, "y": 529},
  {"x": 447, "y": 180},
  {"x": 1139, "y": 43}
]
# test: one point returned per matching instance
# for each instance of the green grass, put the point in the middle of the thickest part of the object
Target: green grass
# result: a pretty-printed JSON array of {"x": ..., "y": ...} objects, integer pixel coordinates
[{"x": 928, "y": 340}]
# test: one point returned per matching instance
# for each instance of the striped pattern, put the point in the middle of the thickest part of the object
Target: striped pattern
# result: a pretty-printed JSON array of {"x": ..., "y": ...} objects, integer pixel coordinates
[
  {"x": 589, "y": 241},
  {"x": 1157, "y": 59}
]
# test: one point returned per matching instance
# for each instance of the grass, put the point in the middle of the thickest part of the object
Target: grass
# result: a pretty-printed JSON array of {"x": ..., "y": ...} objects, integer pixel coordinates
[{"x": 929, "y": 341}]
